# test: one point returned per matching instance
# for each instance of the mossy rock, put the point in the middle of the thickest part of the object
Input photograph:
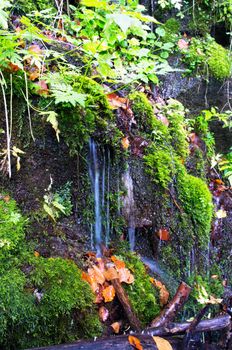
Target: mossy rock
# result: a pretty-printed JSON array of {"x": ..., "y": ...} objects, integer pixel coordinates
[{"x": 144, "y": 116}]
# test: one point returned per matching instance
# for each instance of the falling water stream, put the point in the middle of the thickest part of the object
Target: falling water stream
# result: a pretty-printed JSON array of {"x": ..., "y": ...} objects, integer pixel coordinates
[
  {"x": 129, "y": 206},
  {"x": 99, "y": 172}
]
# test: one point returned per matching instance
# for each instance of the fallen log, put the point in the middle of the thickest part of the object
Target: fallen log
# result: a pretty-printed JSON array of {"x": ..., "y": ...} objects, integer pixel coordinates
[
  {"x": 171, "y": 310},
  {"x": 124, "y": 301},
  {"x": 120, "y": 342},
  {"x": 214, "y": 324}
]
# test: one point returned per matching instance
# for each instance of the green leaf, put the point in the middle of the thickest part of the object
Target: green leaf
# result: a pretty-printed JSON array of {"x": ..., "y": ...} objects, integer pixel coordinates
[
  {"x": 64, "y": 93},
  {"x": 59, "y": 206},
  {"x": 160, "y": 31},
  {"x": 94, "y": 3},
  {"x": 49, "y": 211},
  {"x": 124, "y": 21},
  {"x": 53, "y": 121}
]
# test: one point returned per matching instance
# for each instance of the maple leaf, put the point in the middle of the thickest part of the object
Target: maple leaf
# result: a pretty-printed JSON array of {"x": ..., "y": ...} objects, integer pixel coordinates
[
  {"x": 108, "y": 293},
  {"x": 162, "y": 344},
  {"x": 135, "y": 342}
]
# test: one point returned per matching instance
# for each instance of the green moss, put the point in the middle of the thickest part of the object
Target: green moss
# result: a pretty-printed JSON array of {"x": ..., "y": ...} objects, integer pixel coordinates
[
  {"x": 142, "y": 295},
  {"x": 42, "y": 301},
  {"x": 219, "y": 61},
  {"x": 79, "y": 124},
  {"x": 145, "y": 118},
  {"x": 160, "y": 164},
  {"x": 196, "y": 200}
]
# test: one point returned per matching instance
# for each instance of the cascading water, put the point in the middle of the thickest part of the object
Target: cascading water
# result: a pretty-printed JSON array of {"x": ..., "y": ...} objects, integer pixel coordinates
[
  {"x": 129, "y": 206},
  {"x": 99, "y": 172},
  {"x": 94, "y": 172}
]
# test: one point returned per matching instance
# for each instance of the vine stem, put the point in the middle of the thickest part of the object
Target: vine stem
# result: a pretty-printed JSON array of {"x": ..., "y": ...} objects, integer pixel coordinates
[
  {"x": 28, "y": 107},
  {"x": 7, "y": 123}
]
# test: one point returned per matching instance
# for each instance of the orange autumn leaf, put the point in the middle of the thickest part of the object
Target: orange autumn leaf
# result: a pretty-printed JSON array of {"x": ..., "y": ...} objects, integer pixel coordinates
[
  {"x": 116, "y": 327},
  {"x": 125, "y": 275},
  {"x": 163, "y": 234},
  {"x": 108, "y": 293},
  {"x": 135, "y": 342},
  {"x": 36, "y": 254},
  {"x": 163, "y": 292},
  {"x": 118, "y": 263},
  {"x": 103, "y": 313},
  {"x": 6, "y": 198},
  {"x": 111, "y": 274},
  {"x": 125, "y": 143},
  {"x": 34, "y": 75},
  {"x": 35, "y": 49},
  {"x": 13, "y": 67},
  {"x": 117, "y": 102},
  {"x": 96, "y": 274},
  {"x": 93, "y": 284},
  {"x": 162, "y": 344}
]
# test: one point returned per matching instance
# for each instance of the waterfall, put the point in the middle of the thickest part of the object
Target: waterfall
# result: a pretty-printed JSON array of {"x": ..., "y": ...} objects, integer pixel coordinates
[
  {"x": 94, "y": 172},
  {"x": 129, "y": 206},
  {"x": 99, "y": 172}
]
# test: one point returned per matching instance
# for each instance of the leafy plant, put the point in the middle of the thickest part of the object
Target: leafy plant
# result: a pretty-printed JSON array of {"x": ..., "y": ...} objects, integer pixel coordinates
[{"x": 58, "y": 203}]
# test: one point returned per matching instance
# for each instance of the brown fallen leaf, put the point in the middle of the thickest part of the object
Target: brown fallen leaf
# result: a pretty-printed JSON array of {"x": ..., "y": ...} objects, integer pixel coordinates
[
  {"x": 163, "y": 292},
  {"x": 6, "y": 198},
  {"x": 108, "y": 293},
  {"x": 103, "y": 313},
  {"x": 162, "y": 344},
  {"x": 93, "y": 284},
  {"x": 126, "y": 276},
  {"x": 111, "y": 274},
  {"x": 163, "y": 234},
  {"x": 36, "y": 254},
  {"x": 116, "y": 327},
  {"x": 117, "y": 102},
  {"x": 96, "y": 274},
  {"x": 135, "y": 342}
]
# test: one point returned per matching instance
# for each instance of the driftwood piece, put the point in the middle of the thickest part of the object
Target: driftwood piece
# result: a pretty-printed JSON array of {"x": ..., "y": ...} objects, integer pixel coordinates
[
  {"x": 124, "y": 301},
  {"x": 171, "y": 310}
]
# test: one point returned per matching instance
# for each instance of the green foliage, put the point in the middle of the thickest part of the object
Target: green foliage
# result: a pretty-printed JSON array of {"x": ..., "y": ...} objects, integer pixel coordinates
[
  {"x": 3, "y": 14},
  {"x": 34, "y": 5},
  {"x": 147, "y": 307},
  {"x": 58, "y": 203},
  {"x": 12, "y": 228},
  {"x": 202, "y": 287},
  {"x": 79, "y": 124},
  {"x": 42, "y": 301},
  {"x": 209, "y": 57},
  {"x": 196, "y": 200}
]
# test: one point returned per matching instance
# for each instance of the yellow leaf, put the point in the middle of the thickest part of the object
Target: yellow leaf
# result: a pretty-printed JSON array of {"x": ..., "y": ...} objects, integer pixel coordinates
[
  {"x": 162, "y": 344},
  {"x": 116, "y": 327}
]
